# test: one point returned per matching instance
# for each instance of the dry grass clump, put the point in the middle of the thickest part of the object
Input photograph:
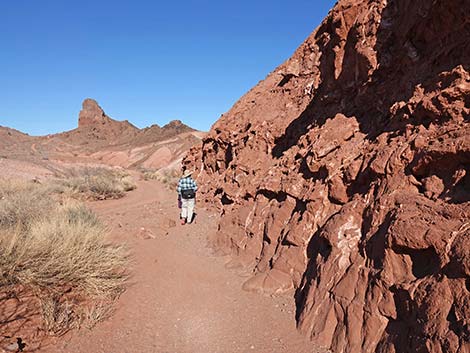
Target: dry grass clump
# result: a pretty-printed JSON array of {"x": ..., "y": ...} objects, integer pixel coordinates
[
  {"x": 97, "y": 183},
  {"x": 22, "y": 203},
  {"x": 149, "y": 175},
  {"x": 58, "y": 318},
  {"x": 56, "y": 249},
  {"x": 168, "y": 177}
]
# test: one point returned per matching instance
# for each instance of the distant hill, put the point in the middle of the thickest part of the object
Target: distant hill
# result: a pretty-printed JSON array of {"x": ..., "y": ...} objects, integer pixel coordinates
[{"x": 101, "y": 139}]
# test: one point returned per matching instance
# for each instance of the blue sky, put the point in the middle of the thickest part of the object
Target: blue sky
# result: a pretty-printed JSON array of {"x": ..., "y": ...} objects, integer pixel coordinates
[{"x": 145, "y": 61}]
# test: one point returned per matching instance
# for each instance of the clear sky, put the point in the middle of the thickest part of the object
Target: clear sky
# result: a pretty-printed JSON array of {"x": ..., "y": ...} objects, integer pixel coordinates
[{"x": 145, "y": 61}]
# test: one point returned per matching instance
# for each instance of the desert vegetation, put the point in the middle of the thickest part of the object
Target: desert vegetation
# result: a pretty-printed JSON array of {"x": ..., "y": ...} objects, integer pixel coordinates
[
  {"x": 169, "y": 177},
  {"x": 95, "y": 183},
  {"x": 54, "y": 254}
]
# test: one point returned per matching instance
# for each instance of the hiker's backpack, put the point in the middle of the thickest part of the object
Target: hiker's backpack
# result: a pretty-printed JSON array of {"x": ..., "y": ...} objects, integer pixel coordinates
[{"x": 188, "y": 194}]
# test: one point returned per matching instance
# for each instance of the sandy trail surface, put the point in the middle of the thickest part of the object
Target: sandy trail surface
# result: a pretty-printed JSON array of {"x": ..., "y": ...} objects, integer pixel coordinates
[{"x": 182, "y": 297}]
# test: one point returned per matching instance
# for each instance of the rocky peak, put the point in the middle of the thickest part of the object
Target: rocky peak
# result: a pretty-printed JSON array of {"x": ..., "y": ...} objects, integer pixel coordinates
[
  {"x": 91, "y": 114},
  {"x": 177, "y": 126},
  {"x": 174, "y": 124}
]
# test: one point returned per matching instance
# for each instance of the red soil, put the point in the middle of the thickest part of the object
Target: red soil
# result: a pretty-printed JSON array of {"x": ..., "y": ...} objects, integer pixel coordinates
[{"x": 182, "y": 297}]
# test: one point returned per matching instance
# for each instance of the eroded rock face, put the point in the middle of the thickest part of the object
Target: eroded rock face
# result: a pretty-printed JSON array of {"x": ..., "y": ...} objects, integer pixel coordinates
[
  {"x": 91, "y": 114},
  {"x": 345, "y": 175},
  {"x": 94, "y": 125}
]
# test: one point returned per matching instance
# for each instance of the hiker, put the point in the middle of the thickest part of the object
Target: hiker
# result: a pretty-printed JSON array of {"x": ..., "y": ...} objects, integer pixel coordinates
[{"x": 187, "y": 188}]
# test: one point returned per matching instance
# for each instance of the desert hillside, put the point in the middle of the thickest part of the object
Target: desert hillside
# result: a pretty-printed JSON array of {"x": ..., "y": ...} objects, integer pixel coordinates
[
  {"x": 98, "y": 139},
  {"x": 344, "y": 176}
]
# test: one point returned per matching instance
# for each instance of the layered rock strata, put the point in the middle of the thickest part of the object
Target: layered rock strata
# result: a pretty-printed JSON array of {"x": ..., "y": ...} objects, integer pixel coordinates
[{"x": 345, "y": 176}]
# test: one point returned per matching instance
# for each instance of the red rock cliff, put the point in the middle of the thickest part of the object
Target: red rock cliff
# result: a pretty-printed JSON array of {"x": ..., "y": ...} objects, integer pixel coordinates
[
  {"x": 345, "y": 175},
  {"x": 92, "y": 114},
  {"x": 95, "y": 124}
]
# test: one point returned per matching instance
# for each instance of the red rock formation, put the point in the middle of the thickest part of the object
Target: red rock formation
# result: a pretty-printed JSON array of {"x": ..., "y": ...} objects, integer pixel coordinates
[
  {"x": 94, "y": 124},
  {"x": 345, "y": 175},
  {"x": 92, "y": 114}
]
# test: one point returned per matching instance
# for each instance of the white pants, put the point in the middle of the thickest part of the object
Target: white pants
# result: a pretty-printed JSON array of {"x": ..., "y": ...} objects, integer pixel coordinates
[{"x": 187, "y": 209}]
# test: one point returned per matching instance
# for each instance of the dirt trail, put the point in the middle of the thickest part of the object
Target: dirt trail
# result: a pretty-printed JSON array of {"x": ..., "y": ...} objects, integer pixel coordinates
[{"x": 182, "y": 298}]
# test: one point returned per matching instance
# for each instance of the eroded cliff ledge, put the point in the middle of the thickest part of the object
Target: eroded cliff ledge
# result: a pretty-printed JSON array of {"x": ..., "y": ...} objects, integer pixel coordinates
[{"x": 345, "y": 175}]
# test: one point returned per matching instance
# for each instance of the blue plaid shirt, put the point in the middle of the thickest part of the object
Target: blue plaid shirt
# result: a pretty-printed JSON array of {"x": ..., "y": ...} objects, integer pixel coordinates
[{"x": 186, "y": 184}]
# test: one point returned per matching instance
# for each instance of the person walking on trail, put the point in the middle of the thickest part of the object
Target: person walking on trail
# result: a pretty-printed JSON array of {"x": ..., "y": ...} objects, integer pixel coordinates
[{"x": 187, "y": 188}]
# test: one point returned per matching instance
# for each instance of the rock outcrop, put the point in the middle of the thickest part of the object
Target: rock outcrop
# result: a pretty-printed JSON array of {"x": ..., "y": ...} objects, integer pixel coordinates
[
  {"x": 92, "y": 114},
  {"x": 94, "y": 124},
  {"x": 345, "y": 176}
]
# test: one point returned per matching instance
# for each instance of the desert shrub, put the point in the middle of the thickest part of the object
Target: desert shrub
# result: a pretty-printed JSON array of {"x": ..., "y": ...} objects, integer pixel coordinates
[
  {"x": 149, "y": 175},
  {"x": 57, "y": 249},
  {"x": 21, "y": 203},
  {"x": 169, "y": 177},
  {"x": 96, "y": 183}
]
